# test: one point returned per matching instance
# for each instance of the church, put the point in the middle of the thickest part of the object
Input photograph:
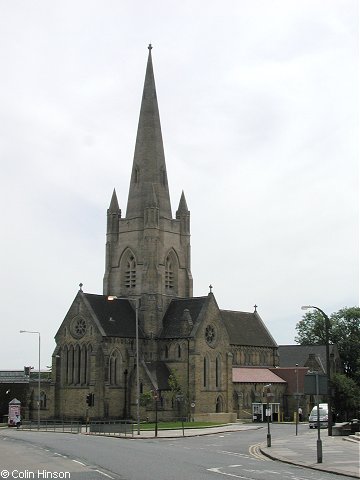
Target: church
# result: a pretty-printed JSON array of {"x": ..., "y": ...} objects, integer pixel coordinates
[{"x": 146, "y": 343}]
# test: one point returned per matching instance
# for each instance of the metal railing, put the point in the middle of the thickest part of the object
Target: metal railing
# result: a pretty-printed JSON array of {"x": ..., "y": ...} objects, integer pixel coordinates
[
  {"x": 111, "y": 427},
  {"x": 70, "y": 426}
]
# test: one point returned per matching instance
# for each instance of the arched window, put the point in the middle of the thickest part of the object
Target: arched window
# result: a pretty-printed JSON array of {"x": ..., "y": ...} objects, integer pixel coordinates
[
  {"x": 206, "y": 371},
  {"x": 179, "y": 351},
  {"x": 166, "y": 351},
  {"x": 77, "y": 365},
  {"x": 70, "y": 363},
  {"x": 42, "y": 399},
  {"x": 169, "y": 273},
  {"x": 130, "y": 273},
  {"x": 218, "y": 372},
  {"x": 88, "y": 364},
  {"x": 219, "y": 404},
  {"x": 114, "y": 368},
  {"x": 128, "y": 269}
]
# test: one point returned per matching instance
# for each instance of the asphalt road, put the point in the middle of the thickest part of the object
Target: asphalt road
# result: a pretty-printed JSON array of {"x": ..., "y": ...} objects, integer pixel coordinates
[{"x": 233, "y": 454}]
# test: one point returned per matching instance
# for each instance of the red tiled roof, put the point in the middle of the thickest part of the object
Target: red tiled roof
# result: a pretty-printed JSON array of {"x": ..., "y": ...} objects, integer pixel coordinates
[{"x": 255, "y": 375}]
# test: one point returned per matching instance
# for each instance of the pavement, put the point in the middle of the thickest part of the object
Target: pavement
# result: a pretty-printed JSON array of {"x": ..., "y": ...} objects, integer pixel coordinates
[{"x": 340, "y": 455}]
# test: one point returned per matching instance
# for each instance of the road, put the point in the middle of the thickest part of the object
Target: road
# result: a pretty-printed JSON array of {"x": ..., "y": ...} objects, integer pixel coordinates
[{"x": 79, "y": 457}]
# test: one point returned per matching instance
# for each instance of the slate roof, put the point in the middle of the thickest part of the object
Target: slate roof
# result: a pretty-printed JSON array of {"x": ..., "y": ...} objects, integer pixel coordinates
[
  {"x": 254, "y": 375},
  {"x": 173, "y": 323},
  {"x": 13, "y": 376},
  {"x": 290, "y": 355},
  {"x": 247, "y": 329},
  {"x": 159, "y": 373},
  {"x": 116, "y": 317}
]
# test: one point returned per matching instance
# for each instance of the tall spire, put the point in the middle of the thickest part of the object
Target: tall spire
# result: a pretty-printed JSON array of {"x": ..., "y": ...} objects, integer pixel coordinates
[{"x": 149, "y": 168}]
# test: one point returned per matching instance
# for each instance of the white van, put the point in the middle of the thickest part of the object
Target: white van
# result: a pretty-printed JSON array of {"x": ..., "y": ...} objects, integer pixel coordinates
[{"x": 324, "y": 416}]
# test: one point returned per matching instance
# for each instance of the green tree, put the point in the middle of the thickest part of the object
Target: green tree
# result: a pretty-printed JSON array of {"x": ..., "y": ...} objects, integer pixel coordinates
[
  {"x": 174, "y": 384},
  {"x": 344, "y": 332},
  {"x": 347, "y": 396}
]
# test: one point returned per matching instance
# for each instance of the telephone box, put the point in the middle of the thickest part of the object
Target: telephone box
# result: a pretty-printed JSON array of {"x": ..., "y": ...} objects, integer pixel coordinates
[{"x": 14, "y": 413}]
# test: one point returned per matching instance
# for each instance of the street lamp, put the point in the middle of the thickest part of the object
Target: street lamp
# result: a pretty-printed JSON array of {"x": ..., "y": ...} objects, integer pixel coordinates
[
  {"x": 297, "y": 397},
  {"x": 268, "y": 395},
  {"x": 328, "y": 373},
  {"x": 39, "y": 380},
  {"x": 137, "y": 304}
]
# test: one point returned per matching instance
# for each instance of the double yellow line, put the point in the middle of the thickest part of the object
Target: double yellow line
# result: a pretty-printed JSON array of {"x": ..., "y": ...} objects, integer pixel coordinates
[{"x": 254, "y": 451}]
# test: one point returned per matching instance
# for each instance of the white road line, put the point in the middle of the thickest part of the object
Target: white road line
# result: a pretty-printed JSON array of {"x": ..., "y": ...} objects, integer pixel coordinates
[
  {"x": 217, "y": 470},
  {"x": 236, "y": 454},
  {"x": 103, "y": 473},
  {"x": 76, "y": 461}
]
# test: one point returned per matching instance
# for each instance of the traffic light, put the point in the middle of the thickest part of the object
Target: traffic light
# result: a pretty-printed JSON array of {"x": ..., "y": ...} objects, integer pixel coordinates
[
  {"x": 90, "y": 398},
  {"x": 27, "y": 371}
]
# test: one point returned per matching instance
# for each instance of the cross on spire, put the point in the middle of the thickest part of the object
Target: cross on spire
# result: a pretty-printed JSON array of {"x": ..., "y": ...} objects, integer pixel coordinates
[
  {"x": 255, "y": 308},
  {"x": 150, "y": 47},
  {"x": 210, "y": 287}
]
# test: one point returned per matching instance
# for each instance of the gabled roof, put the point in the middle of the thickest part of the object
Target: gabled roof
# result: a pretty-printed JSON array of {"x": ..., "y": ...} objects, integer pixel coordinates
[
  {"x": 254, "y": 375},
  {"x": 116, "y": 317},
  {"x": 181, "y": 315},
  {"x": 159, "y": 374},
  {"x": 290, "y": 355},
  {"x": 247, "y": 329}
]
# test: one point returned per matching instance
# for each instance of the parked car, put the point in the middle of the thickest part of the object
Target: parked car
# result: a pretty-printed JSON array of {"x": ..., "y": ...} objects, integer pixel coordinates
[{"x": 324, "y": 416}]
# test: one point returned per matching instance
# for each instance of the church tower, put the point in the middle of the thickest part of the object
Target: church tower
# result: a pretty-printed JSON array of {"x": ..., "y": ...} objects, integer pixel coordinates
[{"x": 148, "y": 251}]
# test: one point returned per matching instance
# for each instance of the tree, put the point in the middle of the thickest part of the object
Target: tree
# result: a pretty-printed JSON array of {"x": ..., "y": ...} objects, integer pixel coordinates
[
  {"x": 347, "y": 396},
  {"x": 174, "y": 384},
  {"x": 344, "y": 332}
]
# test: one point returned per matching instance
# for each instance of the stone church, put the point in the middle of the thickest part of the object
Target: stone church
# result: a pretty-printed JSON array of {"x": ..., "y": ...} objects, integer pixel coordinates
[{"x": 146, "y": 341}]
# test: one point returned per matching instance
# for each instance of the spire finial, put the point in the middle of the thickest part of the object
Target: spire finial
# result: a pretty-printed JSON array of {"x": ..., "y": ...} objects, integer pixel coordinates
[
  {"x": 255, "y": 308},
  {"x": 210, "y": 287},
  {"x": 80, "y": 285},
  {"x": 150, "y": 47}
]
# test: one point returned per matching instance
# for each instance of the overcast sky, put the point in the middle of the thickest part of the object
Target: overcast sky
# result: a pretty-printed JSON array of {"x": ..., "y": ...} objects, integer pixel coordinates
[{"x": 259, "y": 108}]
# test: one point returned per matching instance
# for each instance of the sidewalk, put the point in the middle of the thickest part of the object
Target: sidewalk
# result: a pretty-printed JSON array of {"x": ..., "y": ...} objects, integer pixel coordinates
[{"x": 339, "y": 454}]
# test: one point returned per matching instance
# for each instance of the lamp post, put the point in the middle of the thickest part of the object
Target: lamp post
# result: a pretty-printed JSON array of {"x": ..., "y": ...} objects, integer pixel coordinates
[
  {"x": 268, "y": 395},
  {"x": 328, "y": 373},
  {"x": 297, "y": 398},
  {"x": 39, "y": 380},
  {"x": 137, "y": 305}
]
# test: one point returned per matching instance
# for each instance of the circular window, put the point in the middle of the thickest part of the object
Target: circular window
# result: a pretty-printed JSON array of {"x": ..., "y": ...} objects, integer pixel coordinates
[
  {"x": 210, "y": 335},
  {"x": 79, "y": 327}
]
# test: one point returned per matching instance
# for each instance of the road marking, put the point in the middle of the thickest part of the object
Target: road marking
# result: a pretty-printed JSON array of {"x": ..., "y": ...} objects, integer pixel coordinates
[
  {"x": 59, "y": 455},
  {"x": 254, "y": 450},
  {"x": 217, "y": 470},
  {"x": 103, "y": 473},
  {"x": 236, "y": 454},
  {"x": 77, "y": 461}
]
